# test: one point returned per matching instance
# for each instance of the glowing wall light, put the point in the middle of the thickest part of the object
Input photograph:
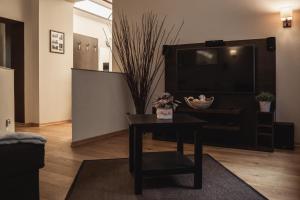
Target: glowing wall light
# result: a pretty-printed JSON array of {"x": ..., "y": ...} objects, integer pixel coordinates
[{"x": 286, "y": 16}]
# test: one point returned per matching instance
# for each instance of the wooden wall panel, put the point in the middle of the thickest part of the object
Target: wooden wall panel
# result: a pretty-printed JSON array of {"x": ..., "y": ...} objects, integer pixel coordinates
[{"x": 86, "y": 54}]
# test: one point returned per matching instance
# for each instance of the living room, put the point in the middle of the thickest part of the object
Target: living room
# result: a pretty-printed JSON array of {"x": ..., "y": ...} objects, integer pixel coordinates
[{"x": 79, "y": 111}]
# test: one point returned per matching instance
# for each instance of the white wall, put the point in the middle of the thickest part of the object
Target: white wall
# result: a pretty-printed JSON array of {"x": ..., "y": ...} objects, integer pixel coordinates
[
  {"x": 55, "y": 69},
  {"x": 90, "y": 25},
  {"x": 7, "y": 99},
  {"x": 100, "y": 101},
  {"x": 236, "y": 20},
  {"x": 47, "y": 75},
  {"x": 27, "y": 12},
  {"x": 13, "y": 9},
  {"x": 288, "y": 72}
]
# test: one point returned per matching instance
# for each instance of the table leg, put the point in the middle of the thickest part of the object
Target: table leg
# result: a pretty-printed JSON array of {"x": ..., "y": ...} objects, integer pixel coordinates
[
  {"x": 131, "y": 148},
  {"x": 179, "y": 142},
  {"x": 138, "y": 146},
  {"x": 198, "y": 161}
]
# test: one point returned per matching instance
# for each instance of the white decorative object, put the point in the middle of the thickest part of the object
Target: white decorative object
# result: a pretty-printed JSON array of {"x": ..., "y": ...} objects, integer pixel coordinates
[
  {"x": 202, "y": 103},
  {"x": 265, "y": 106},
  {"x": 165, "y": 105},
  {"x": 164, "y": 113}
]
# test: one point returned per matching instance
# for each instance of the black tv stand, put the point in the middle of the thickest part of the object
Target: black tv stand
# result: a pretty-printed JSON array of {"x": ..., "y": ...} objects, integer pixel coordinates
[
  {"x": 224, "y": 122},
  {"x": 213, "y": 116},
  {"x": 212, "y": 111}
]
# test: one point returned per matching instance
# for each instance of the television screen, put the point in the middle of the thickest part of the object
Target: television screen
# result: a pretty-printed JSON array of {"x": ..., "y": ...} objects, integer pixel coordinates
[{"x": 217, "y": 69}]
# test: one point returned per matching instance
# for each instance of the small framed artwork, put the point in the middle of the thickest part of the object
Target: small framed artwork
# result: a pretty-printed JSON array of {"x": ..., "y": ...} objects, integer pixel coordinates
[{"x": 57, "y": 42}]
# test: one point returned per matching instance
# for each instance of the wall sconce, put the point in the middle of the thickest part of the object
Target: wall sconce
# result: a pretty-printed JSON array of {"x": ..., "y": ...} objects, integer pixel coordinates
[
  {"x": 286, "y": 15},
  {"x": 233, "y": 52}
]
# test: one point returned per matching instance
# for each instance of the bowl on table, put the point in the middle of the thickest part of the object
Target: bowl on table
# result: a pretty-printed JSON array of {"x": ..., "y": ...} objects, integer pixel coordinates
[{"x": 201, "y": 103}]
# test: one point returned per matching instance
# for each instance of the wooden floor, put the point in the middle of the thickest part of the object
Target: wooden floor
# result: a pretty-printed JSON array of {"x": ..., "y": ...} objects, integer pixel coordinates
[{"x": 275, "y": 175}]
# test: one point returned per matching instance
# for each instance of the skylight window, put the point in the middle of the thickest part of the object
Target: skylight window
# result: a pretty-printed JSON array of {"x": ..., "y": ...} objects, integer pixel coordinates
[{"x": 94, "y": 8}]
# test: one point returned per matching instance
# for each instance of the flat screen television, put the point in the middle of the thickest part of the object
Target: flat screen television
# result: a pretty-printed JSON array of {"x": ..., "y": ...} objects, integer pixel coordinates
[{"x": 217, "y": 69}]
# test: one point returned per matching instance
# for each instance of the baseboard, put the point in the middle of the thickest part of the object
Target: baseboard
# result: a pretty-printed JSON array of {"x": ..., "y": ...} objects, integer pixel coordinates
[
  {"x": 97, "y": 138},
  {"x": 42, "y": 124},
  {"x": 54, "y": 123},
  {"x": 18, "y": 124}
]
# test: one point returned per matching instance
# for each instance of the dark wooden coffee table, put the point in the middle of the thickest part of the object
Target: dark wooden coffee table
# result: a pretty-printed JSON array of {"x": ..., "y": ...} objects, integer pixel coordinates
[{"x": 163, "y": 163}]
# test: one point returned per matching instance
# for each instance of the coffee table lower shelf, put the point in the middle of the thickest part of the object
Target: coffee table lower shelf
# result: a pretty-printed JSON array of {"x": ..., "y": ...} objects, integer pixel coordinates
[{"x": 166, "y": 163}]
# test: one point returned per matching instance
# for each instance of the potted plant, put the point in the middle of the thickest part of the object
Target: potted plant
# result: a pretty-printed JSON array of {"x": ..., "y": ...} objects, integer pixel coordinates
[
  {"x": 265, "y": 99},
  {"x": 165, "y": 105}
]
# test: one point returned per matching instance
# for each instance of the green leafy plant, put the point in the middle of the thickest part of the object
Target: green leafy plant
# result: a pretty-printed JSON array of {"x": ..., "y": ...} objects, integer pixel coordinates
[
  {"x": 166, "y": 101},
  {"x": 265, "y": 96}
]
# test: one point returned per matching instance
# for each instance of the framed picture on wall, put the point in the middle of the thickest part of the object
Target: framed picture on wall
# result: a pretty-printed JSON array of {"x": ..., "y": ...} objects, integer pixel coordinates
[{"x": 57, "y": 42}]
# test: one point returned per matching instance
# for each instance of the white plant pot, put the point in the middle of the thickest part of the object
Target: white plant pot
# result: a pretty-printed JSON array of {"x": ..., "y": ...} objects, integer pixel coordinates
[
  {"x": 265, "y": 106},
  {"x": 162, "y": 113}
]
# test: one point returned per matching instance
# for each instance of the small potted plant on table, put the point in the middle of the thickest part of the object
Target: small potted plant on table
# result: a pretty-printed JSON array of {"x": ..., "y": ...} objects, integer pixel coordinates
[
  {"x": 165, "y": 105},
  {"x": 265, "y": 99}
]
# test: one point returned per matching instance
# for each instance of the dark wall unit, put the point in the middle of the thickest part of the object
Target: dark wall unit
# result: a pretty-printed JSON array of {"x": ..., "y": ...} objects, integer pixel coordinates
[
  {"x": 265, "y": 131},
  {"x": 232, "y": 117}
]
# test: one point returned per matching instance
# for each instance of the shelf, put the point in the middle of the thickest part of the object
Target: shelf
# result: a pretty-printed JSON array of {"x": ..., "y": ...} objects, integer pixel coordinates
[
  {"x": 265, "y": 140},
  {"x": 265, "y": 121},
  {"x": 265, "y": 134},
  {"x": 229, "y": 111},
  {"x": 216, "y": 124},
  {"x": 265, "y": 148},
  {"x": 156, "y": 163},
  {"x": 265, "y": 113},
  {"x": 265, "y": 125},
  {"x": 222, "y": 127}
]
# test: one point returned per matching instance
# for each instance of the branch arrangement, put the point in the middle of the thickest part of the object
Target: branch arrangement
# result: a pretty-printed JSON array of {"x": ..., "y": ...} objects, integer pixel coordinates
[{"x": 139, "y": 54}]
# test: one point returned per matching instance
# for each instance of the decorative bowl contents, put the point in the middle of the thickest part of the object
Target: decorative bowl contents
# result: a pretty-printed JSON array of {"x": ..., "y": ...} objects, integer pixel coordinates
[
  {"x": 202, "y": 103},
  {"x": 165, "y": 105}
]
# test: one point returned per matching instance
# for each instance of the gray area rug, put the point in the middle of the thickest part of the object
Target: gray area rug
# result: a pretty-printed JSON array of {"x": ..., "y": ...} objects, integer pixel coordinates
[{"x": 111, "y": 180}]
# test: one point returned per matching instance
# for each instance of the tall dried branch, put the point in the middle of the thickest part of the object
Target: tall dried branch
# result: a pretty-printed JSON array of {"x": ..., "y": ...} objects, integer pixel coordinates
[{"x": 139, "y": 53}]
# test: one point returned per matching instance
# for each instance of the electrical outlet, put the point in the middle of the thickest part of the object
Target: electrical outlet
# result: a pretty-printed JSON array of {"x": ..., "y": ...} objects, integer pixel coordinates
[{"x": 7, "y": 123}]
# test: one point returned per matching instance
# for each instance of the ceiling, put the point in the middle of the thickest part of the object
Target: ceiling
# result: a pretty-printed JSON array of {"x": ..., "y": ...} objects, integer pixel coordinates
[
  {"x": 107, "y": 3},
  {"x": 265, "y": 5},
  {"x": 102, "y": 1},
  {"x": 276, "y": 5}
]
